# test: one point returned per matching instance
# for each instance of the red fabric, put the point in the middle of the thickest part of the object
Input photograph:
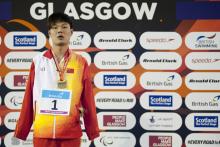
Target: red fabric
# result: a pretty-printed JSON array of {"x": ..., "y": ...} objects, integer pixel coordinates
[
  {"x": 27, "y": 113},
  {"x": 87, "y": 101},
  {"x": 42, "y": 142}
]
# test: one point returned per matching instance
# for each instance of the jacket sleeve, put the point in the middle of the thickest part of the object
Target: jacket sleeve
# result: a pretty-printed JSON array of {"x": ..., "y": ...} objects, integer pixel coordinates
[
  {"x": 26, "y": 114},
  {"x": 88, "y": 103}
]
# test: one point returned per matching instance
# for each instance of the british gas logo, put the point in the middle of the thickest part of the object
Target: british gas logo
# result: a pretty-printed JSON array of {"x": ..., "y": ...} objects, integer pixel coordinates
[
  {"x": 25, "y": 40},
  {"x": 203, "y": 40},
  {"x": 209, "y": 101},
  {"x": 115, "y": 60},
  {"x": 80, "y": 40},
  {"x": 160, "y": 80}
]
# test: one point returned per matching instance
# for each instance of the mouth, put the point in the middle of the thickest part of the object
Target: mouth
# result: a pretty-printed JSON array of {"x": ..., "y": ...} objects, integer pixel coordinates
[{"x": 60, "y": 37}]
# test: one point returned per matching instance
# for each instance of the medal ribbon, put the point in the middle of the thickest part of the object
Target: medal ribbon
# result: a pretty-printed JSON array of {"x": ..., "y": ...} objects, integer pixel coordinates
[{"x": 66, "y": 60}]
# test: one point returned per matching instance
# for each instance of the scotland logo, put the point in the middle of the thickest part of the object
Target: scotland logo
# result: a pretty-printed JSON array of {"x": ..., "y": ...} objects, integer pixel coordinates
[
  {"x": 115, "y": 80},
  {"x": 25, "y": 40}
]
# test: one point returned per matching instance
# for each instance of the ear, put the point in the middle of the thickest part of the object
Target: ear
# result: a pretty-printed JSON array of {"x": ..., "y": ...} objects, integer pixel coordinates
[{"x": 71, "y": 31}]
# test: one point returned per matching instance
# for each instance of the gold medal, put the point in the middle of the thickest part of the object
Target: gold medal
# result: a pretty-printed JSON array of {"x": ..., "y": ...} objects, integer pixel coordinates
[
  {"x": 61, "y": 68},
  {"x": 62, "y": 84}
]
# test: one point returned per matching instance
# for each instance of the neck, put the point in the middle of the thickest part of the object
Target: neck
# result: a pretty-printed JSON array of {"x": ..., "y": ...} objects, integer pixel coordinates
[{"x": 59, "y": 51}]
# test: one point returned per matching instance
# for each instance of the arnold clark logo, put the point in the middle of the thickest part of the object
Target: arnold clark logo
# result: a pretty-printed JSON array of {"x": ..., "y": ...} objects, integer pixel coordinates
[
  {"x": 160, "y": 40},
  {"x": 158, "y": 139},
  {"x": 203, "y": 81},
  {"x": 25, "y": 40},
  {"x": 203, "y": 140},
  {"x": 116, "y": 120},
  {"x": 160, "y": 60},
  {"x": 203, "y": 60},
  {"x": 203, "y": 121},
  {"x": 114, "y": 40},
  {"x": 160, "y": 121},
  {"x": 115, "y": 100},
  {"x": 115, "y": 139},
  {"x": 115, "y": 60},
  {"x": 161, "y": 80},
  {"x": 114, "y": 80},
  {"x": 11, "y": 141},
  {"x": 203, "y": 40},
  {"x": 16, "y": 80},
  {"x": 19, "y": 60},
  {"x": 160, "y": 100},
  {"x": 201, "y": 101}
]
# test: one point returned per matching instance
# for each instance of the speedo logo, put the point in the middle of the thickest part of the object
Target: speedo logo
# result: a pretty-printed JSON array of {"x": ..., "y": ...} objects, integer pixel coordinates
[{"x": 25, "y": 40}]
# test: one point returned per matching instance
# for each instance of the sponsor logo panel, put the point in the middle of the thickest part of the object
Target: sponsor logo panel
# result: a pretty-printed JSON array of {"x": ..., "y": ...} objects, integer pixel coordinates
[
  {"x": 160, "y": 80},
  {"x": 115, "y": 100},
  {"x": 203, "y": 121},
  {"x": 85, "y": 142},
  {"x": 160, "y": 100},
  {"x": 115, "y": 60},
  {"x": 115, "y": 139},
  {"x": 116, "y": 120},
  {"x": 114, "y": 40},
  {"x": 160, "y": 121},
  {"x": 158, "y": 139},
  {"x": 160, "y": 40},
  {"x": 13, "y": 100},
  {"x": 19, "y": 60},
  {"x": 203, "y": 140},
  {"x": 209, "y": 101},
  {"x": 203, "y": 40},
  {"x": 84, "y": 55},
  {"x": 203, "y": 81},
  {"x": 25, "y": 40},
  {"x": 114, "y": 80},
  {"x": 203, "y": 60},
  {"x": 160, "y": 60},
  {"x": 16, "y": 80},
  {"x": 11, "y": 119},
  {"x": 80, "y": 40},
  {"x": 11, "y": 141}
]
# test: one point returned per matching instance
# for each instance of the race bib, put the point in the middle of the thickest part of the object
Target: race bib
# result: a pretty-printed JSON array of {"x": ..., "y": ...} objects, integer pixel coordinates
[{"x": 55, "y": 102}]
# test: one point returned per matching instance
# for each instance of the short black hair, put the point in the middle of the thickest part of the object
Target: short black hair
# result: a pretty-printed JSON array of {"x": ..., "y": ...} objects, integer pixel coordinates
[{"x": 58, "y": 17}]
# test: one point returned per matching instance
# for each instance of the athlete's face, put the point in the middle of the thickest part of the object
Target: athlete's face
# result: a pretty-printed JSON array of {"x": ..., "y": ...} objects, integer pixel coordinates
[{"x": 60, "y": 33}]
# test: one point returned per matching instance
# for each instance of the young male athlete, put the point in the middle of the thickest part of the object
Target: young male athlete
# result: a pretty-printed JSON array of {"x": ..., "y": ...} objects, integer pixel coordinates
[{"x": 59, "y": 84}]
